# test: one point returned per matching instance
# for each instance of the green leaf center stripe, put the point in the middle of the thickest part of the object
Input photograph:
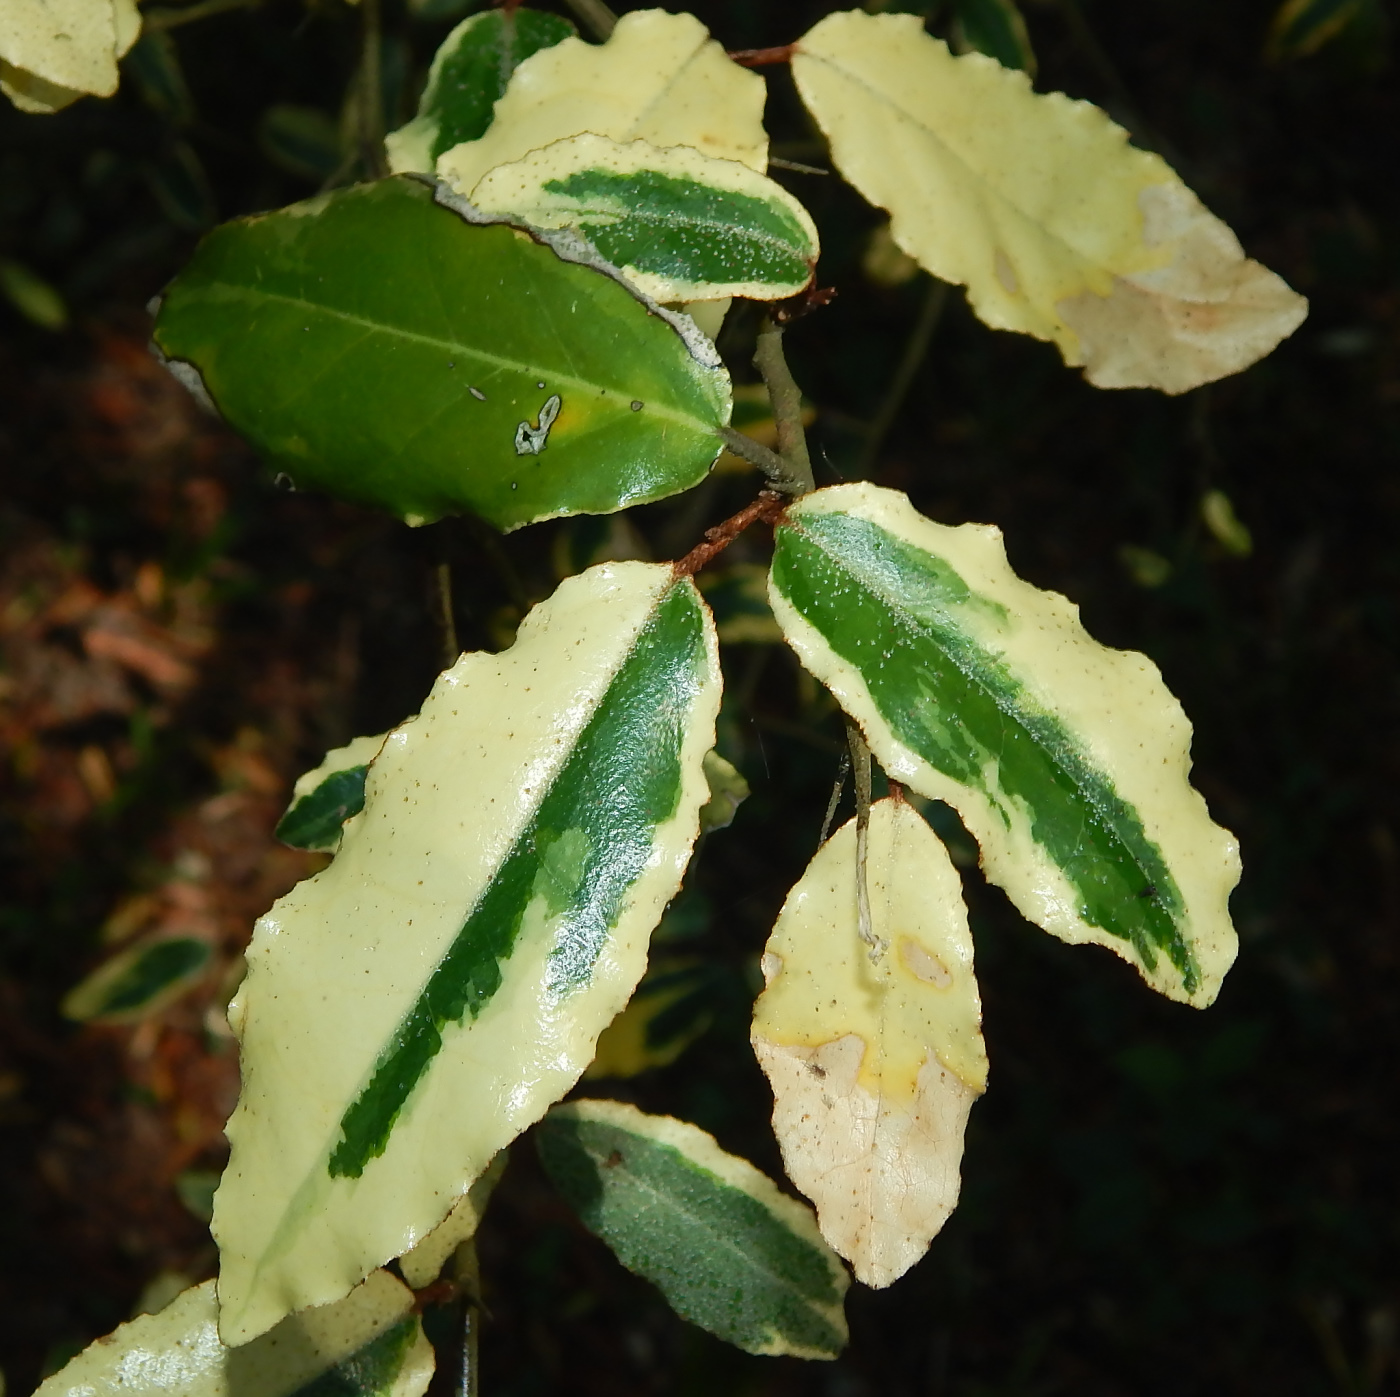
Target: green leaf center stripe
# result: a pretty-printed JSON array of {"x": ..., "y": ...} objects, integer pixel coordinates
[
  {"x": 881, "y": 604},
  {"x": 370, "y": 1371},
  {"x": 315, "y": 820},
  {"x": 971, "y": 172},
  {"x": 569, "y": 871},
  {"x": 649, "y": 200},
  {"x": 163, "y": 963},
  {"x": 724, "y": 1218},
  {"x": 556, "y": 378}
]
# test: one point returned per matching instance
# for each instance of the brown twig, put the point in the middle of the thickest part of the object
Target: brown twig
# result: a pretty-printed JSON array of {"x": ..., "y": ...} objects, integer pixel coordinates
[
  {"x": 450, "y": 648},
  {"x": 761, "y": 58},
  {"x": 768, "y": 506}
]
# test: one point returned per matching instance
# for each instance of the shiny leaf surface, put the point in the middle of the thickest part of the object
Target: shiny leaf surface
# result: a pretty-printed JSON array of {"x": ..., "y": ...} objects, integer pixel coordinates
[
  {"x": 414, "y": 1006},
  {"x": 470, "y": 71},
  {"x": 370, "y": 1344},
  {"x": 376, "y": 346},
  {"x": 681, "y": 225},
  {"x": 1067, "y": 760}
]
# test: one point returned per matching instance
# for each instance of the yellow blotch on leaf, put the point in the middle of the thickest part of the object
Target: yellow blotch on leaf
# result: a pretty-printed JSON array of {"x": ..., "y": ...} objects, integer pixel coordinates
[
  {"x": 874, "y": 1063},
  {"x": 1039, "y": 206},
  {"x": 659, "y": 78},
  {"x": 54, "y": 51}
]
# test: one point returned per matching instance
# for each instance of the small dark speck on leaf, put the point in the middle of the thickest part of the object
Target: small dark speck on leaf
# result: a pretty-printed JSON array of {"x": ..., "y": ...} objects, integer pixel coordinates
[
  {"x": 816, "y": 1069},
  {"x": 613, "y": 1160},
  {"x": 1149, "y": 891},
  {"x": 637, "y": 404}
]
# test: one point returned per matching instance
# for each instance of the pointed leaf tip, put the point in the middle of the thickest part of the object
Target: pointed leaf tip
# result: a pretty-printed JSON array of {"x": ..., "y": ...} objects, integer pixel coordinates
[
  {"x": 423, "y": 999},
  {"x": 1039, "y": 206},
  {"x": 727, "y": 1249},
  {"x": 1068, "y": 761}
]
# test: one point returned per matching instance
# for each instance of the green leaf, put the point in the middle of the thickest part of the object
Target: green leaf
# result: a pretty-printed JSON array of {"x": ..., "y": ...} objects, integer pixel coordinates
[
  {"x": 414, "y": 1006},
  {"x": 663, "y": 1018},
  {"x": 375, "y": 345},
  {"x": 371, "y": 1344},
  {"x": 325, "y": 798},
  {"x": 181, "y": 187},
  {"x": 138, "y": 981},
  {"x": 726, "y": 1248},
  {"x": 1301, "y": 27},
  {"x": 301, "y": 140},
  {"x": 1067, "y": 760},
  {"x": 154, "y": 62},
  {"x": 1218, "y": 515},
  {"x": 728, "y": 791},
  {"x": 996, "y": 28},
  {"x": 683, "y": 226},
  {"x": 32, "y": 296},
  {"x": 871, "y": 1038},
  {"x": 470, "y": 72}
]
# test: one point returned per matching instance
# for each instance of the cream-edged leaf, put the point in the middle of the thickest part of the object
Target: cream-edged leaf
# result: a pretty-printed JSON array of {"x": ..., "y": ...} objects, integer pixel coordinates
[
  {"x": 469, "y": 73},
  {"x": 1068, "y": 761},
  {"x": 417, "y": 1004},
  {"x": 54, "y": 51},
  {"x": 681, "y": 225},
  {"x": 1039, "y": 206},
  {"x": 139, "y": 981},
  {"x": 875, "y": 1060},
  {"x": 323, "y": 799},
  {"x": 422, "y": 1265},
  {"x": 728, "y": 791},
  {"x": 370, "y": 1344},
  {"x": 659, "y": 78},
  {"x": 726, "y": 1248}
]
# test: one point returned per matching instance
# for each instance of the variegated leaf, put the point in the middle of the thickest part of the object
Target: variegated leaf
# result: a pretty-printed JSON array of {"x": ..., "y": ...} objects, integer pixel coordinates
[
  {"x": 138, "y": 981},
  {"x": 440, "y": 385},
  {"x": 681, "y": 225},
  {"x": 659, "y": 78},
  {"x": 874, "y": 1053},
  {"x": 1067, "y": 760},
  {"x": 726, "y": 1248},
  {"x": 323, "y": 799},
  {"x": 54, "y": 51},
  {"x": 413, "y": 1007},
  {"x": 470, "y": 71},
  {"x": 370, "y": 1344},
  {"x": 422, "y": 1265},
  {"x": 1039, "y": 206}
]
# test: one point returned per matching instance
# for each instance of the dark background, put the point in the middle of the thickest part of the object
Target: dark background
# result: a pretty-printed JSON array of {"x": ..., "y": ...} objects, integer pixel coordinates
[{"x": 1156, "y": 1200}]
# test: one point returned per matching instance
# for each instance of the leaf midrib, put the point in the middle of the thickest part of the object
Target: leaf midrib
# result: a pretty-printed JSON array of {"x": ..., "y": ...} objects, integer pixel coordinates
[
  {"x": 482, "y": 356},
  {"x": 973, "y": 174},
  {"x": 974, "y": 677},
  {"x": 780, "y": 1282}
]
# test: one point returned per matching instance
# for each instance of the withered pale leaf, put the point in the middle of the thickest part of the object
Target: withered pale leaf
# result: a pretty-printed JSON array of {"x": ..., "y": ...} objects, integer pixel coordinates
[
  {"x": 1040, "y": 207},
  {"x": 875, "y": 1058}
]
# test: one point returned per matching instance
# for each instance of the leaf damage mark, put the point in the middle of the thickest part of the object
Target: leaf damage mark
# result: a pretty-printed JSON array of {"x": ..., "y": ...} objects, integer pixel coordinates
[{"x": 530, "y": 441}]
